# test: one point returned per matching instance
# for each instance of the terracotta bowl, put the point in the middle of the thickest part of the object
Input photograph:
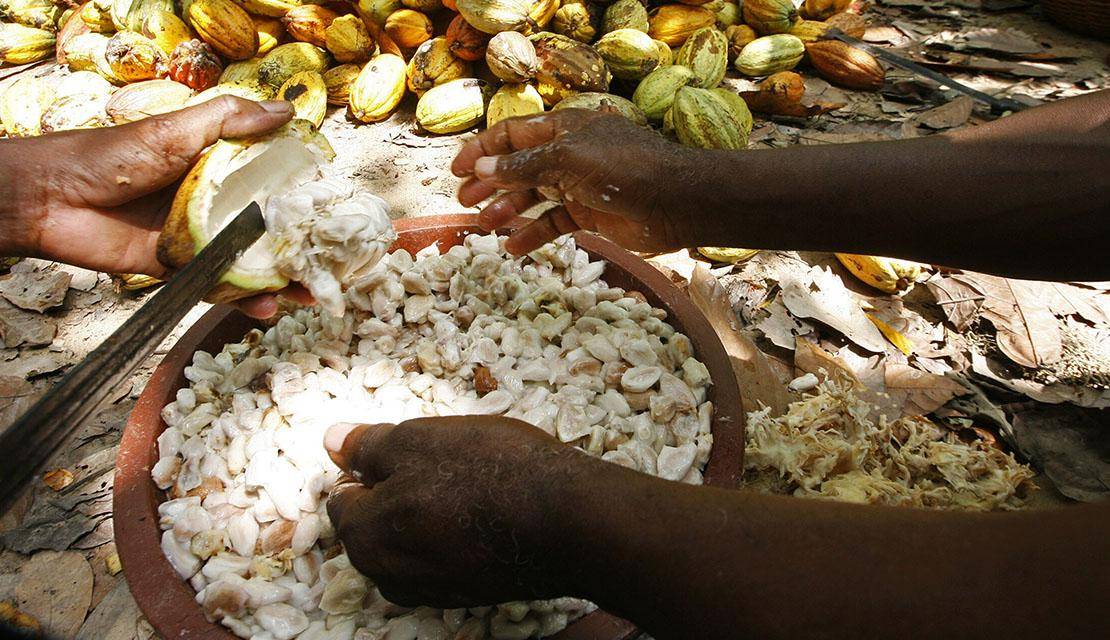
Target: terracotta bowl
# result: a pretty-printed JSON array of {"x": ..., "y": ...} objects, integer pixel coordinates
[{"x": 168, "y": 602}]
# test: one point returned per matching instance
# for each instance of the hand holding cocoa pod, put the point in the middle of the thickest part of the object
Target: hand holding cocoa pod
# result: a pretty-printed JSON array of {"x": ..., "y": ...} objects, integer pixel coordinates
[
  {"x": 610, "y": 175},
  {"x": 103, "y": 207}
]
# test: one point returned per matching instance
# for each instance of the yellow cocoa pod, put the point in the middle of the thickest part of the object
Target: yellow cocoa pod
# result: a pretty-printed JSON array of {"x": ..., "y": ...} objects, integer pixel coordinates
[
  {"x": 433, "y": 64},
  {"x": 378, "y": 89},
  {"x": 673, "y": 23},
  {"x": 280, "y": 64},
  {"x": 130, "y": 14},
  {"x": 513, "y": 100},
  {"x": 144, "y": 99},
  {"x": 348, "y": 39},
  {"x": 566, "y": 67},
  {"x": 22, "y": 45},
  {"x": 704, "y": 120},
  {"x": 808, "y": 30},
  {"x": 453, "y": 106},
  {"x": 739, "y": 107},
  {"x": 245, "y": 89},
  {"x": 845, "y": 65},
  {"x": 244, "y": 71},
  {"x": 408, "y": 28},
  {"x": 338, "y": 81},
  {"x": 575, "y": 20},
  {"x": 86, "y": 52},
  {"x": 541, "y": 13},
  {"x": 166, "y": 30},
  {"x": 655, "y": 93},
  {"x": 729, "y": 255},
  {"x": 424, "y": 6},
  {"x": 495, "y": 16},
  {"x": 134, "y": 58},
  {"x": 512, "y": 57},
  {"x": 269, "y": 8},
  {"x": 629, "y": 53},
  {"x": 80, "y": 103},
  {"x": 377, "y": 10},
  {"x": 770, "y": 54},
  {"x": 666, "y": 56},
  {"x": 823, "y": 9},
  {"x": 705, "y": 52},
  {"x": 98, "y": 19},
  {"x": 307, "y": 23},
  {"x": 625, "y": 14},
  {"x": 890, "y": 275},
  {"x": 225, "y": 26},
  {"x": 770, "y": 16},
  {"x": 308, "y": 94},
  {"x": 38, "y": 14},
  {"x": 596, "y": 101},
  {"x": 271, "y": 33},
  {"x": 22, "y": 105}
]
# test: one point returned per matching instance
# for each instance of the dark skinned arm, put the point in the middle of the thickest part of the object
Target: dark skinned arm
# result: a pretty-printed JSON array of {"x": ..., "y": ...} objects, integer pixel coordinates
[
  {"x": 1026, "y": 196},
  {"x": 476, "y": 510}
]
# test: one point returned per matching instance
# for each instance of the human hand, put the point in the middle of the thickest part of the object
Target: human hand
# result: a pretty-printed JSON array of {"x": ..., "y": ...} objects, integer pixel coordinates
[
  {"x": 458, "y": 511},
  {"x": 97, "y": 198},
  {"x": 612, "y": 176}
]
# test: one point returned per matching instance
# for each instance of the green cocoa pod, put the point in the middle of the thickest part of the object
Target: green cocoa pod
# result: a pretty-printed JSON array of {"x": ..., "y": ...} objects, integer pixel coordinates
[
  {"x": 705, "y": 52},
  {"x": 770, "y": 54},
  {"x": 656, "y": 91},
  {"x": 704, "y": 120}
]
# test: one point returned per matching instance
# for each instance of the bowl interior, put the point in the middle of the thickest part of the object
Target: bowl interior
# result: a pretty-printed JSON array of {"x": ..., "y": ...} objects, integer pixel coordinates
[{"x": 169, "y": 603}]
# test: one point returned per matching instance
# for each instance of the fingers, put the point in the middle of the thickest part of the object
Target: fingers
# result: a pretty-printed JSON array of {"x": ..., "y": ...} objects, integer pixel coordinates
[
  {"x": 550, "y": 225},
  {"x": 357, "y": 449},
  {"x": 474, "y": 191},
  {"x": 506, "y": 207},
  {"x": 119, "y": 164},
  {"x": 258, "y": 307},
  {"x": 298, "y": 294},
  {"x": 515, "y": 134}
]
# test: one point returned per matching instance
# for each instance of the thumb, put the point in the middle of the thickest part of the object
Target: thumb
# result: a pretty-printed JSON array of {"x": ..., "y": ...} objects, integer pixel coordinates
[
  {"x": 358, "y": 449},
  {"x": 122, "y": 163},
  {"x": 538, "y": 166}
]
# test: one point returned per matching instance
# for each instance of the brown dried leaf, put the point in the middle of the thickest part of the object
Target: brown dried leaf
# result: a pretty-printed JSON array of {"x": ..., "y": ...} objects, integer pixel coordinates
[
  {"x": 36, "y": 290},
  {"x": 1069, "y": 300},
  {"x": 1028, "y": 332},
  {"x": 759, "y": 386},
  {"x": 946, "y": 116},
  {"x": 56, "y": 587},
  {"x": 919, "y": 391},
  {"x": 959, "y": 300},
  {"x": 18, "y": 327}
]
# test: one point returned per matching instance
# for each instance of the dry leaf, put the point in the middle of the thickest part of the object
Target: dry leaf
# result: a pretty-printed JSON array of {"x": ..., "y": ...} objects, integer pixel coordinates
[
  {"x": 759, "y": 386},
  {"x": 781, "y": 328},
  {"x": 890, "y": 333},
  {"x": 114, "y": 618},
  {"x": 58, "y": 479},
  {"x": 1028, "y": 333},
  {"x": 920, "y": 392},
  {"x": 775, "y": 104},
  {"x": 1070, "y": 443},
  {"x": 825, "y": 299},
  {"x": 18, "y": 327},
  {"x": 36, "y": 290},
  {"x": 946, "y": 116},
  {"x": 56, "y": 588},
  {"x": 960, "y": 301},
  {"x": 1069, "y": 300}
]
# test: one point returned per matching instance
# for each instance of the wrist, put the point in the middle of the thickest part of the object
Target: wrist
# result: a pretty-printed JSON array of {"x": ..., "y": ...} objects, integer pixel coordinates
[{"x": 21, "y": 208}]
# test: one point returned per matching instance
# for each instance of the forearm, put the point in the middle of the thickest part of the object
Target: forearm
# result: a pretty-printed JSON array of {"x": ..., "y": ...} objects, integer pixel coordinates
[
  {"x": 689, "y": 562},
  {"x": 17, "y": 199},
  {"x": 1014, "y": 197}
]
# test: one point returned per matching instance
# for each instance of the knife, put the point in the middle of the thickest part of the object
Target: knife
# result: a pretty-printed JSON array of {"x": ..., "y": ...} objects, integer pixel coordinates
[
  {"x": 998, "y": 105},
  {"x": 30, "y": 441}
]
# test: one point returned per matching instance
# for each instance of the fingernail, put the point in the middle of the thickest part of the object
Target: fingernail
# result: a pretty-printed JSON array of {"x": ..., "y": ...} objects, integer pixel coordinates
[
  {"x": 485, "y": 166},
  {"x": 277, "y": 106},
  {"x": 336, "y": 435}
]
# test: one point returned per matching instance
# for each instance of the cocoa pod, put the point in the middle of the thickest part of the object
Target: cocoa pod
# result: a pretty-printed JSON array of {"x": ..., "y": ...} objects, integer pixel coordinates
[
  {"x": 495, "y": 16},
  {"x": 768, "y": 17},
  {"x": 513, "y": 100},
  {"x": 512, "y": 57},
  {"x": 348, "y": 39},
  {"x": 307, "y": 23},
  {"x": 823, "y": 9},
  {"x": 166, "y": 30},
  {"x": 337, "y": 81},
  {"x": 144, "y": 99},
  {"x": 673, "y": 23},
  {"x": 705, "y": 53},
  {"x": 625, "y": 14},
  {"x": 225, "y": 26},
  {"x": 704, "y": 120},
  {"x": 595, "y": 101},
  {"x": 630, "y": 54},
  {"x": 134, "y": 58},
  {"x": 845, "y": 65},
  {"x": 770, "y": 54},
  {"x": 453, "y": 106},
  {"x": 738, "y": 37},
  {"x": 433, "y": 64},
  {"x": 466, "y": 42},
  {"x": 576, "y": 20},
  {"x": 655, "y": 93},
  {"x": 195, "y": 65},
  {"x": 378, "y": 89},
  {"x": 567, "y": 66},
  {"x": 408, "y": 28},
  {"x": 285, "y": 60}
]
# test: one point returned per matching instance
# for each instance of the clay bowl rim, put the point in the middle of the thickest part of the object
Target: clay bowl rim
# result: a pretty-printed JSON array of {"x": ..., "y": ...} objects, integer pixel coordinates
[{"x": 168, "y": 602}]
